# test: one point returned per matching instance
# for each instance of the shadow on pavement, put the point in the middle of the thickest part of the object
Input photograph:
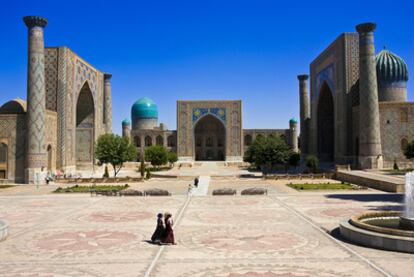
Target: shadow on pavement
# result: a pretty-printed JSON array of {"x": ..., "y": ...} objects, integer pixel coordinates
[{"x": 395, "y": 197}]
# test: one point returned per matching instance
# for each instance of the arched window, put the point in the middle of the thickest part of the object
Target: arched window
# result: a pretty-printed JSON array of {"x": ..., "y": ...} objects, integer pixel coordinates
[
  {"x": 159, "y": 140},
  {"x": 171, "y": 141},
  {"x": 247, "y": 140},
  {"x": 404, "y": 143},
  {"x": 404, "y": 115},
  {"x": 137, "y": 141},
  {"x": 3, "y": 160},
  {"x": 148, "y": 141},
  {"x": 3, "y": 153},
  {"x": 209, "y": 142}
]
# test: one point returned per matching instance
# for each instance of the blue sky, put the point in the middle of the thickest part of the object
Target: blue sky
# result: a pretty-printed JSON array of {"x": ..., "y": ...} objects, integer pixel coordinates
[{"x": 187, "y": 50}]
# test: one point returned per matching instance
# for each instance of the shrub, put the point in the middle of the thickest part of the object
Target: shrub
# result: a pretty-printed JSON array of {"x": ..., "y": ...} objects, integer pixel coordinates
[
  {"x": 294, "y": 159},
  {"x": 172, "y": 157},
  {"x": 157, "y": 155},
  {"x": 106, "y": 173},
  {"x": 148, "y": 175},
  {"x": 142, "y": 167},
  {"x": 312, "y": 163}
]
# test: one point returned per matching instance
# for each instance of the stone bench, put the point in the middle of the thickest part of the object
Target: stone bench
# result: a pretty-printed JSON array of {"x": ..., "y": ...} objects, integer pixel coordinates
[
  {"x": 156, "y": 192},
  {"x": 254, "y": 191},
  {"x": 225, "y": 191},
  {"x": 130, "y": 192}
]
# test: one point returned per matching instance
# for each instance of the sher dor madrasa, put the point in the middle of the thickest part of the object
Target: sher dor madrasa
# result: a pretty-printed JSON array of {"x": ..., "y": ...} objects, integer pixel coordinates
[{"x": 356, "y": 113}]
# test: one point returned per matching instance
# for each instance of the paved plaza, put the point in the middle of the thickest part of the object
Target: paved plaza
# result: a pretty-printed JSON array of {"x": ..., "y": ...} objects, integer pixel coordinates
[{"x": 285, "y": 233}]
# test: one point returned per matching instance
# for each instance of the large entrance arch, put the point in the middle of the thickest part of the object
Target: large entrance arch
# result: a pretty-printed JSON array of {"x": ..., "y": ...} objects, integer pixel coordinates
[
  {"x": 209, "y": 139},
  {"x": 85, "y": 122},
  {"x": 326, "y": 128}
]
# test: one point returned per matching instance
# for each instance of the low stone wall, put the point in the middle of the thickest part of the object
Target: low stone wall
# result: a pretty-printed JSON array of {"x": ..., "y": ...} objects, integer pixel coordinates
[
  {"x": 4, "y": 229},
  {"x": 328, "y": 175},
  {"x": 368, "y": 181}
]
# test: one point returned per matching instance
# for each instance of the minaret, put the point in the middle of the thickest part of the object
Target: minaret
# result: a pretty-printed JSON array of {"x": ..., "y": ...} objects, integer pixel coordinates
[
  {"x": 304, "y": 114},
  {"x": 370, "y": 154},
  {"x": 126, "y": 128},
  {"x": 36, "y": 100},
  {"x": 293, "y": 128},
  {"x": 108, "y": 101}
]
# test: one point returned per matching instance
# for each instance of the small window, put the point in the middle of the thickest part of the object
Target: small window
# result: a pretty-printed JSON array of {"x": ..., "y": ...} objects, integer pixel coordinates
[
  {"x": 404, "y": 143},
  {"x": 404, "y": 115}
]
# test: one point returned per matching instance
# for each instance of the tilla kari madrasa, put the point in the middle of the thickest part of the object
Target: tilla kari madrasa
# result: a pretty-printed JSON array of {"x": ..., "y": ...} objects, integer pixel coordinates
[{"x": 356, "y": 113}]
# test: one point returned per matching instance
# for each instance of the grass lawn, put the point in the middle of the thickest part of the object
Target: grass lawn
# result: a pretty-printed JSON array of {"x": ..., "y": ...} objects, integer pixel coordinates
[
  {"x": 322, "y": 186},
  {"x": 398, "y": 171},
  {"x": 6, "y": 186},
  {"x": 87, "y": 189}
]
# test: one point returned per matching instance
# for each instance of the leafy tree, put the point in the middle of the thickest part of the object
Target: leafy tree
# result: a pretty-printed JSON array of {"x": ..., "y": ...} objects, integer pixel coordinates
[
  {"x": 142, "y": 167},
  {"x": 172, "y": 157},
  {"x": 114, "y": 150},
  {"x": 294, "y": 159},
  {"x": 312, "y": 163},
  {"x": 266, "y": 152},
  {"x": 157, "y": 155},
  {"x": 409, "y": 150}
]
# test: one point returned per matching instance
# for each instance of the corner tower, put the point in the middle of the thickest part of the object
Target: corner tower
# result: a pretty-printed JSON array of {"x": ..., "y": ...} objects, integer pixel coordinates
[
  {"x": 370, "y": 154},
  {"x": 36, "y": 100}
]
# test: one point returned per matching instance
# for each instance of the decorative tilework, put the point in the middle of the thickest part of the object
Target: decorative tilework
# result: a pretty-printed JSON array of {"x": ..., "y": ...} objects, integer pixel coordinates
[{"x": 220, "y": 113}]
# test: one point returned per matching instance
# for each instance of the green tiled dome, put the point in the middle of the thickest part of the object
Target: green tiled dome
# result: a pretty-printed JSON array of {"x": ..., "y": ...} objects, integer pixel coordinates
[
  {"x": 293, "y": 120},
  {"x": 144, "y": 108},
  {"x": 126, "y": 122},
  {"x": 390, "y": 67}
]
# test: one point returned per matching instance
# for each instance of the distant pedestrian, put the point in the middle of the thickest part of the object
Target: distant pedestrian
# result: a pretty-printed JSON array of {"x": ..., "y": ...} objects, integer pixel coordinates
[
  {"x": 159, "y": 230},
  {"x": 196, "y": 182}
]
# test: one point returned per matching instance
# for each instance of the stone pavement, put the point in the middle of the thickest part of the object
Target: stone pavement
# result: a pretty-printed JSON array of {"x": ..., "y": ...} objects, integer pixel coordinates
[{"x": 284, "y": 234}]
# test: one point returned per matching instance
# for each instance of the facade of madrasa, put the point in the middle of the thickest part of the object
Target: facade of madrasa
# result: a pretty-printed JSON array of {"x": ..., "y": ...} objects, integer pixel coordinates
[
  {"x": 209, "y": 130},
  {"x": 357, "y": 111},
  {"x": 68, "y": 107}
]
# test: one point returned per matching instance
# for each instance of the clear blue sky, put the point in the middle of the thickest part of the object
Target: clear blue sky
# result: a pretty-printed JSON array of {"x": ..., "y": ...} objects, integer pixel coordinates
[{"x": 169, "y": 50}]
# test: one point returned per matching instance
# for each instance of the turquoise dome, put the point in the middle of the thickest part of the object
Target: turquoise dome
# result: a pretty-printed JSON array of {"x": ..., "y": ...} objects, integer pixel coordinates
[
  {"x": 126, "y": 122},
  {"x": 390, "y": 67},
  {"x": 293, "y": 120},
  {"x": 144, "y": 108}
]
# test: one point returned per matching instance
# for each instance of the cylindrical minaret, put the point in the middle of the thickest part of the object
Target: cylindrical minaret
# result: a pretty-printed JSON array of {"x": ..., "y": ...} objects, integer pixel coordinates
[
  {"x": 108, "y": 102},
  {"x": 293, "y": 128},
  {"x": 126, "y": 128},
  {"x": 304, "y": 113},
  {"x": 370, "y": 154},
  {"x": 36, "y": 100}
]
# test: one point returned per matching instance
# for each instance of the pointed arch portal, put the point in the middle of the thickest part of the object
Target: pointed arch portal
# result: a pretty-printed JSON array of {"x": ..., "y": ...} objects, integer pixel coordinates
[
  {"x": 210, "y": 139},
  {"x": 85, "y": 122},
  {"x": 326, "y": 129}
]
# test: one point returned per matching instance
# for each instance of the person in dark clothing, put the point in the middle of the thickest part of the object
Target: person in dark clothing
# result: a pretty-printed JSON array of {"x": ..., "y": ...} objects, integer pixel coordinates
[
  {"x": 168, "y": 234},
  {"x": 159, "y": 230},
  {"x": 196, "y": 182}
]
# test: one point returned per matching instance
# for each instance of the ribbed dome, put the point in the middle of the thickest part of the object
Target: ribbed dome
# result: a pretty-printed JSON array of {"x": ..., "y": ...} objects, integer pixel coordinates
[
  {"x": 390, "y": 67},
  {"x": 126, "y": 122},
  {"x": 144, "y": 108},
  {"x": 293, "y": 120}
]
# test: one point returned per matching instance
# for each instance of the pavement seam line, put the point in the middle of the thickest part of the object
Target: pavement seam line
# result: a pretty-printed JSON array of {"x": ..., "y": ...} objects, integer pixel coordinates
[
  {"x": 157, "y": 256},
  {"x": 353, "y": 252}
]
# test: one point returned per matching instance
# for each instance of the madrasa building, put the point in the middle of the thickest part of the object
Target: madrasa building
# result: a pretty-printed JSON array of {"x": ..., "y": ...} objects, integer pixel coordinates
[
  {"x": 210, "y": 130},
  {"x": 357, "y": 111},
  {"x": 68, "y": 107}
]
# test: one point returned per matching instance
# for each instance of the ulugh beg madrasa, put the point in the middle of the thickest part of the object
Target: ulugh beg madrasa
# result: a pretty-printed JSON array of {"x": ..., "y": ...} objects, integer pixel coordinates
[{"x": 353, "y": 110}]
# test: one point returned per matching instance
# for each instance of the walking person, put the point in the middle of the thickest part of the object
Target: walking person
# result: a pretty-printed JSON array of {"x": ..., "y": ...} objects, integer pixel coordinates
[
  {"x": 196, "y": 182},
  {"x": 168, "y": 235},
  {"x": 159, "y": 230}
]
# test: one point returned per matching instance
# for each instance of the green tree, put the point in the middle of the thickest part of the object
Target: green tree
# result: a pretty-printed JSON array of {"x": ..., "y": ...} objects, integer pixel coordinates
[
  {"x": 114, "y": 150},
  {"x": 172, "y": 157},
  {"x": 312, "y": 163},
  {"x": 294, "y": 159},
  {"x": 409, "y": 150},
  {"x": 157, "y": 155},
  {"x": 266, "y": 152}
]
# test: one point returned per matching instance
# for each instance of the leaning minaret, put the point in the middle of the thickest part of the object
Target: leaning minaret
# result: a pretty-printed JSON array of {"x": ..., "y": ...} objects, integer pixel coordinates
[
  {"x": 304, "y": 114},
  {"x": 370, "y": 154},
  {"x": 108, "y": 101},
  {"x": 36, "y": 100}
]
